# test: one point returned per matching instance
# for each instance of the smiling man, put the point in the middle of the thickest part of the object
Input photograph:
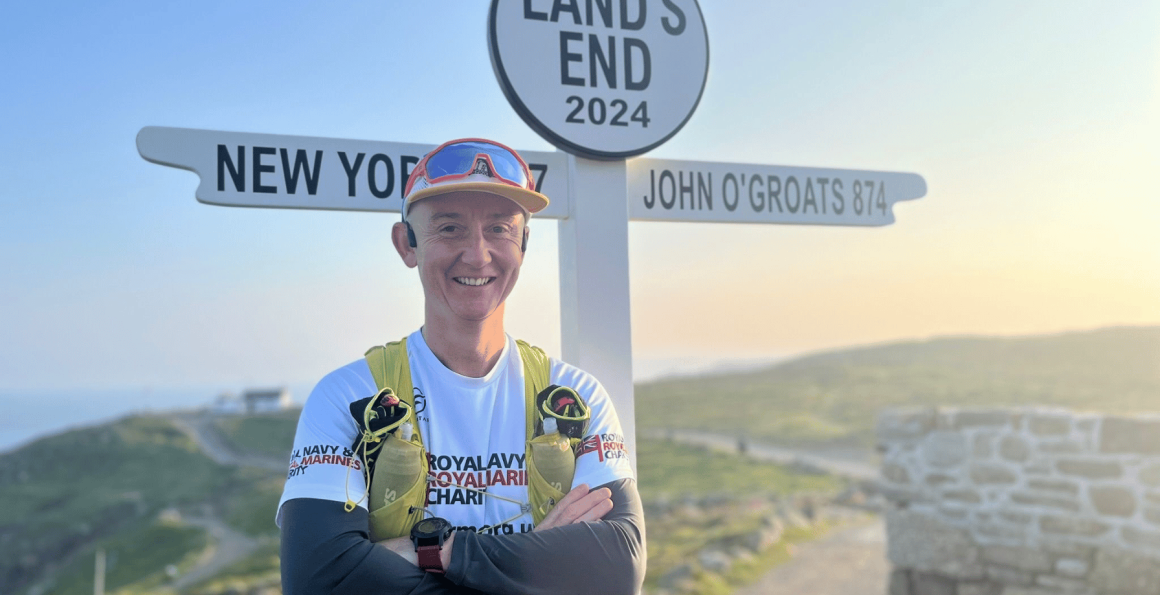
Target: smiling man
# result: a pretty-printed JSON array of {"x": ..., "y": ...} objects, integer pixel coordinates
[{"x": 478, "y": 525}]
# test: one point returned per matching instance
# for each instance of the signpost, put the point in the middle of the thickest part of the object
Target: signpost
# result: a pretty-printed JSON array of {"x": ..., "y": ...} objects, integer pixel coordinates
[{"x": 603, "y": 81}]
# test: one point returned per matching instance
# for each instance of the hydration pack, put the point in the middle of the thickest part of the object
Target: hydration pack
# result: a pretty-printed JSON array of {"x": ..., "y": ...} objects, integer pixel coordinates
[{"x": 395, "y": 463}]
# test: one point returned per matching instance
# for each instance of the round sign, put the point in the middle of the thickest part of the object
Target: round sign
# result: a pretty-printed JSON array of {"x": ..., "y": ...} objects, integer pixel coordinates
[{"x": 604, "y": 79}]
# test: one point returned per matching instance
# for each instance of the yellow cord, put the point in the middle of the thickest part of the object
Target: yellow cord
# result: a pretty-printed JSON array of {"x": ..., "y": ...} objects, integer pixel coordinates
[{"x": 377, "y": 437}]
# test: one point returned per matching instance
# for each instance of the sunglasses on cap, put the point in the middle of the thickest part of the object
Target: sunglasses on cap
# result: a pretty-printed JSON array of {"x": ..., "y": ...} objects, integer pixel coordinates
[{"x": 458, "y": 159}]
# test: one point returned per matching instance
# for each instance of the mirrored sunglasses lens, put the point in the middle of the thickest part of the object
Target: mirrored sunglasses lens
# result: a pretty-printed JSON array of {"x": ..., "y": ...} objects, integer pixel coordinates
[
  {"x": 459, "y": 159},
  {"x": 449, "y": 161}
]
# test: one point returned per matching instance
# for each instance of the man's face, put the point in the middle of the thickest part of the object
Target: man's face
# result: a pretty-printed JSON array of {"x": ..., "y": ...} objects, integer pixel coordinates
[{"x": 468, "y": 253}]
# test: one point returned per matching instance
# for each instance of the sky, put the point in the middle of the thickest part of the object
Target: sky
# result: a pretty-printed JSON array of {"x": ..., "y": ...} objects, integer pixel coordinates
[{"x": 1035, "y": 125}]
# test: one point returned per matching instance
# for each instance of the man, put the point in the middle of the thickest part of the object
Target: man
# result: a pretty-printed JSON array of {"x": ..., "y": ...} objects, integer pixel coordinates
[{"x": 465, "y": 215}]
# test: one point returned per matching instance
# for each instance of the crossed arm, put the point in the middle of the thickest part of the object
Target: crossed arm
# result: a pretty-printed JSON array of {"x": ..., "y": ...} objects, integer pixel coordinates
[{"x": 591, "y": 542}]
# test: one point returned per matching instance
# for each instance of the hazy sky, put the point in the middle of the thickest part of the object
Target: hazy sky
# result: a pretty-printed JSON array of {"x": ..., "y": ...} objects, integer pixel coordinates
[{"x": 1035, "y": 125}]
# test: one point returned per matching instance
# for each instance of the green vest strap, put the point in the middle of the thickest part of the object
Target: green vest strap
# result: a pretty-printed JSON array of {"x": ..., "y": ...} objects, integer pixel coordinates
[
  {"x": 390, "y": 367},
  {"x": 537, "y": 368}
]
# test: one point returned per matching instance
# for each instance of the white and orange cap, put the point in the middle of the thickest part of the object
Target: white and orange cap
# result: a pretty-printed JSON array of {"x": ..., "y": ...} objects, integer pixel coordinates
[{"x": 473, "y": 164}]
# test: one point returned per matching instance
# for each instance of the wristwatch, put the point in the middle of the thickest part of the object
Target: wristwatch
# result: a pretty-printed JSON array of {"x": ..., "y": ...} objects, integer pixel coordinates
[{"x": 429, "y": 535}]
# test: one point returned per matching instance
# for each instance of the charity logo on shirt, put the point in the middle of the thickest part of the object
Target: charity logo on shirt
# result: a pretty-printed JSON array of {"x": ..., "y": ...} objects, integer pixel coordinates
[{"x": 321, "y": 454}]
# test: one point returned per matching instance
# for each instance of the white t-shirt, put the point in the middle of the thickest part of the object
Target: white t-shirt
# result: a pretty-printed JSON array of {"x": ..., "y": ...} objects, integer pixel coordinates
[{"x": 473, "y": 430}]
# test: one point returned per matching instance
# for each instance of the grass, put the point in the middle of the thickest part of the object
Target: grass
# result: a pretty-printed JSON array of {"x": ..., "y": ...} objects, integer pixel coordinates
[
  {"x": 263, "y": 433},
  {"x": 670, "y": 469},
  {"x": 135, "y": 560},
  {"x": 251, "y": 510},
  {"x": 834, "y": 398},
  {"x": 261, "y": 567},
  {"x": 64, "y": 493}
]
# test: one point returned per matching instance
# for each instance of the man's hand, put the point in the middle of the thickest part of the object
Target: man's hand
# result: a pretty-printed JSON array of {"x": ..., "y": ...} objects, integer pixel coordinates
[
  {"x": 404, "y": 547},
  {"x": 578, "y": 506}
]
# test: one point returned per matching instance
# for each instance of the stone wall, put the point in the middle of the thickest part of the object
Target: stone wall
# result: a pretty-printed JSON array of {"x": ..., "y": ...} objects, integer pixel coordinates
[{"x": 1021, "y": 502}]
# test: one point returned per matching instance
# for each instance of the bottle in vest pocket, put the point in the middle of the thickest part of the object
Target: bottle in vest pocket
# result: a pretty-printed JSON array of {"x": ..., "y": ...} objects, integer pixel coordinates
[
  {"x": 553, "y": 458},
  {"x": 399, "y": 483}
]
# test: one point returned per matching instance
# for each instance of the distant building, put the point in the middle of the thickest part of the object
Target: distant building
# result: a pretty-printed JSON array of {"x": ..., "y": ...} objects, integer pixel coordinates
[
  {"x": 228, "y": 404},
  {"x": 266, "y": 400}
]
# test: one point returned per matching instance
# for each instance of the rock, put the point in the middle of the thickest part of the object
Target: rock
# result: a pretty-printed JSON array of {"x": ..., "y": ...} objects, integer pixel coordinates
[
  {"x": 715, "y": 561},
  {"x": 1062, "y": 486},
  {"x": 679, "y": 578},
  {"x": 760, "y": 539},
  {"x": 1009, "y": 576},
  {"x": 932, "y": 584},
  {"x": 1038, "y": 466},
  {"x": 1020, "y": 590},
  {"x": 1000, "y": 531},
  {"x": 1112, "y": 500},
  {"x": 1123, "y": 571},
  {"x": 1049, "y": 424},
  {"x": 978, "y": 588},
  {"x": 983, "y": 445},
  {"x": 1150, "y": 475},
  {"x": 1033, "y": 499},
  {"x": 970, "y": 496},
  {"x": 1140, "y": 537},
  {"x": 1068, "y": 548},
  {"x": 920, "y": 542},
  {"x": 792, "y": 518},
  {"x": 1022, "y": 558},
  {"x": 937, "y": 479},
  {"x": 1063, "y": 585},
  {"x": 944, "y": 449},
  {"x": 1072, "y": 526},
  {"x": 1015, "y": 517},
  {"x": 1090, "y": 468},
  {"x": 895, "y": 472},
  {"x": 1014, "y": 448},
  {"x": 953, "y": 512},
  {"x": 909, "y": 424},
  {"x": 740, "y": 553},
  {"x": 900, "y": 582},
  {"x": 1130, "y": 435},
  {"x": 1072, "y": 567},
  {"x": 981, "y": 417},
  {"x": 984, "y": 473},
  {"x": 1057, "y": 447}
]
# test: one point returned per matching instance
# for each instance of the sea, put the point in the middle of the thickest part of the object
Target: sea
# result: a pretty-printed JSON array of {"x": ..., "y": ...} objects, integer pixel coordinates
[{"x": 31, "y": 414}]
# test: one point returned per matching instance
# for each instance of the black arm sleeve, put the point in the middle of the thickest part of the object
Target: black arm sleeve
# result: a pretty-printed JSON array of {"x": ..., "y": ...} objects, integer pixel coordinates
[
  {"x": 607, "y": 556},
  {"x": 328, "y": 550}
]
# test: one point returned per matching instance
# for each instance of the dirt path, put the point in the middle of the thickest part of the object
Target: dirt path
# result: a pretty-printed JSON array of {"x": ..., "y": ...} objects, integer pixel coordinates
[
  {"x": 228, "y": 547},
  {"x": 849, "y": 561}
]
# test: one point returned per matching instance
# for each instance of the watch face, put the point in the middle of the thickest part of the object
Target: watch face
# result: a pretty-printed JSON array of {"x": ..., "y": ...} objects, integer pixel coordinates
[{"x": 428, "y": 526}]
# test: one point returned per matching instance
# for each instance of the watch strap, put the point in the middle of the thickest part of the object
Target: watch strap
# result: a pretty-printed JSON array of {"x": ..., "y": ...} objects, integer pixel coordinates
[{"x": 429, "y": 558}]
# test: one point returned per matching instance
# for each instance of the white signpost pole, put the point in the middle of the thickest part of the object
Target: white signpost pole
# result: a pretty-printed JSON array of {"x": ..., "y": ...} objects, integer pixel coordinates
[{"x": 595, "y": 319}]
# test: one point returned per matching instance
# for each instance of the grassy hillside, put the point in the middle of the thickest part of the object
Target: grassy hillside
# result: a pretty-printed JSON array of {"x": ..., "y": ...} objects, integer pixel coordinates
[
  {"x": 834, "y": 397},
  {"x": 118, "y": 486},
  {"x": 106, "y": 487}
]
